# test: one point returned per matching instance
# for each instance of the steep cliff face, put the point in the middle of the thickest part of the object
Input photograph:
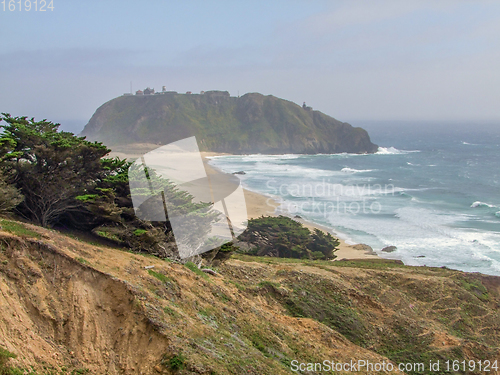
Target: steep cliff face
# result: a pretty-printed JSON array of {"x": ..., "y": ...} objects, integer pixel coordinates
[{"x": 253, "y": 123}]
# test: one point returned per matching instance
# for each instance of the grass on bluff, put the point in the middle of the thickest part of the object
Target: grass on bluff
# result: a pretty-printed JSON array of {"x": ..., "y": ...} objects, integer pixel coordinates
[
  {"x": 475, "y": 287},
  {"x": 432, "y": 301},
  {"x": 82, "y": 260},
  {"x": 357, "y": 263},
  {"x": 193, "y": 267},
  {"x": 415, "y": 308},
  {"x": 159, "y": 276},
  {"x": 18, "y": 229}
]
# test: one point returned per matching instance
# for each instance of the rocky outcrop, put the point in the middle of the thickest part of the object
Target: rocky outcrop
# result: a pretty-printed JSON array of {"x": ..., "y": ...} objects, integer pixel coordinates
[
  {"x": 253, "y": 123},
  {"x": 389, "y": 249}
]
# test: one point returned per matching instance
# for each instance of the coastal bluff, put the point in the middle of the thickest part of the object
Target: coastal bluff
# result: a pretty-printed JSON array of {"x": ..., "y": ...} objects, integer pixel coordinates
[
  {"x": 252, "y": 123},
  {"x": 70, "y": 306}
]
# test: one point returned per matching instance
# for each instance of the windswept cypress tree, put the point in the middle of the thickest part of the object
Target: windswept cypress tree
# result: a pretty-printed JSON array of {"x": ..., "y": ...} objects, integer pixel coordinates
[
  {"x": 50, "y": 168},
  {"x": 66, "y": 180},
  {"x": 283, "y": 237}
]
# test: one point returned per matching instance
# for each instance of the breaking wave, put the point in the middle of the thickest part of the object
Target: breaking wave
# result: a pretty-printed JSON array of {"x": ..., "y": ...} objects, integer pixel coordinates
[{"x": 393, "y": 151}]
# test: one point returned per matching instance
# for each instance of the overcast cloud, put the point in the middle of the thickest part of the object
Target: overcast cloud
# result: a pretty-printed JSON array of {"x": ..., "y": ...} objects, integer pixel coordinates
[{"x": 354, "y": 60}]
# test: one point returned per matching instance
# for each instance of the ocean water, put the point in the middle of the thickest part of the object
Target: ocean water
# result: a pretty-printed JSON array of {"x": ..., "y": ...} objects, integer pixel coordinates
[{"x": 432, "y": 190}]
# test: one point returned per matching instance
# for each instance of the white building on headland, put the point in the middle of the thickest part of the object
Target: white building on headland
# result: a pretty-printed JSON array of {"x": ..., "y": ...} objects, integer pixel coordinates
[{"x": 151, "y": 91}]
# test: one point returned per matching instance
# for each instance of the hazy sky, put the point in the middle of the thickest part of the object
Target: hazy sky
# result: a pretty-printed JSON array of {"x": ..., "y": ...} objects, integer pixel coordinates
[{"x": 354, "y": 60}]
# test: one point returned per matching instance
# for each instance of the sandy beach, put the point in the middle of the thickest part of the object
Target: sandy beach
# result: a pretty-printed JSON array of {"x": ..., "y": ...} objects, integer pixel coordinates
[
  {"x": 256, "y": 204},
  {"x": 261, "y": 205}
]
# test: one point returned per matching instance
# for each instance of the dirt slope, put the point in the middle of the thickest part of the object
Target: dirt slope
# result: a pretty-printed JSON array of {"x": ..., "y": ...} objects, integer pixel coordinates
[{"x": 67, "y": 305}]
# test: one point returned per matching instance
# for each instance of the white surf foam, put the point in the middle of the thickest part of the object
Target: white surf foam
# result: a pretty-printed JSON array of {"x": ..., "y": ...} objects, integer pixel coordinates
[
  {"x": 393, "y": 151},
  {"x": 352, "y": 170},
  {"x": 264, "y": 157},
  {"x": 482, "y": 204}
]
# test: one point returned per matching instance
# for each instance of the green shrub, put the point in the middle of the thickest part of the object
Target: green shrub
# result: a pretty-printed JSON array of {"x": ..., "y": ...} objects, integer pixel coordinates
[
  {"x": 193, "y": 267},
  {"x": 86, "y": 197},
  {"x": 110, "y": 236},
  {"x": 176, "y": 363},
  {"x": 159, "y": 276},
  {"x": 5, "y": 369},
  {"x": 281, "y": 236},
  {"x": 5, "y": 355}
]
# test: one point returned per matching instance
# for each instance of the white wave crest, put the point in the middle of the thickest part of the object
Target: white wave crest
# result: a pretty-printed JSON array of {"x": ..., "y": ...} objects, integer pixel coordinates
[
  {"x": 266, "y": 157},
  {"x": 352, "y": 170},
  {"x": 481, "y": 204},
  {"x": 256, "y": 157},
  {"x": 393, "y": 151}
]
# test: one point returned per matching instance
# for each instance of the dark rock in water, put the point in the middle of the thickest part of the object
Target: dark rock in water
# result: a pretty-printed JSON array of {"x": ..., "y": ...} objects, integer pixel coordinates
[
  {"x": 389, "y": 249},
  {"x": 239, "y": 172},
  {"x": 297, "y": 217},
  {"x": 364, "y": 247}
]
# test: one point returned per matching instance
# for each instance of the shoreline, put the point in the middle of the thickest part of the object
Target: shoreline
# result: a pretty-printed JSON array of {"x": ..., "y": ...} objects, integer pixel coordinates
[
  {"x": 262, "y": 205},
  {"x": 257, "y": 204}
]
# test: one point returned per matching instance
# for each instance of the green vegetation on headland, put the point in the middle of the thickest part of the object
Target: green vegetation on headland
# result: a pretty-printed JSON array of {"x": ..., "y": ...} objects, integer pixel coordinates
[
  {"x": 253, "y": 123},
  {"x": 88, "y": 308}
]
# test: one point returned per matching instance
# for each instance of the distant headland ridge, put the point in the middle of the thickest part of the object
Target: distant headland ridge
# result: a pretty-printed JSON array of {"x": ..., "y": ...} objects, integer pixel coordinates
[{"x": 252, "y": 123}]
